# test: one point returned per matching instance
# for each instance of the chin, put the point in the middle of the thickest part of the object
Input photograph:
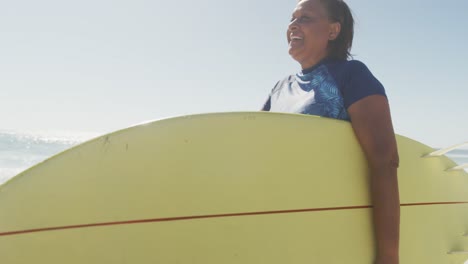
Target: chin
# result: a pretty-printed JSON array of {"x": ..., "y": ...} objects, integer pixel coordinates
[{"x": 294, "y": 55}]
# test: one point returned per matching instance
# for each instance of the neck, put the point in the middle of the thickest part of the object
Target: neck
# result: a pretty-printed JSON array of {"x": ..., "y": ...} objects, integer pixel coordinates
[{"x": 312, "y": 61}]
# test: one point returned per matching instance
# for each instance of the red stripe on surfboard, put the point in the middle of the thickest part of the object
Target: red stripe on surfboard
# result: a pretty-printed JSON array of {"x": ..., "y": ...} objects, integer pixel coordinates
[{"x": 169, "y": 219}]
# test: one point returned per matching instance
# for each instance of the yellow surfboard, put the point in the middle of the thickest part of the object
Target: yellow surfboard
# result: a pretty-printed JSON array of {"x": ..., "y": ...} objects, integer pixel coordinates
[{"x": 246, "y": 188}]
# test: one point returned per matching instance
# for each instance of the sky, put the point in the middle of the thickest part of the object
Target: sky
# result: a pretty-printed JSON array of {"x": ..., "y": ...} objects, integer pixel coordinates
[{"x": 101, "y": 65}]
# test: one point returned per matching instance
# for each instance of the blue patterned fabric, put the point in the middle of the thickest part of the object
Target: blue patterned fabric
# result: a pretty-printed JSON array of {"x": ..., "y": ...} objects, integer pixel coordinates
[{"x": 327, "y": 89}]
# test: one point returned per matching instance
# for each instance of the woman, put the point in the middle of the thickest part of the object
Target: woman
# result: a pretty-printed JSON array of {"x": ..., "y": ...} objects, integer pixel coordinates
[{"x": 320, "y": 38}]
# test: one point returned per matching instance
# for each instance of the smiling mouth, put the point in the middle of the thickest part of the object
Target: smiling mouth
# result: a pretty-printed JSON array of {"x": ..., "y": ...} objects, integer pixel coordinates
[{"x": 295, "y": 38}]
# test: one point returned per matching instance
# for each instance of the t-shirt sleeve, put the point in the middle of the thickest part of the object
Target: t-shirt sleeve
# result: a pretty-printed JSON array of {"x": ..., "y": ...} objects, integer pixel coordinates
[
  {"x": 267, "y": 105},
  {"x": 361, "y": 83}
]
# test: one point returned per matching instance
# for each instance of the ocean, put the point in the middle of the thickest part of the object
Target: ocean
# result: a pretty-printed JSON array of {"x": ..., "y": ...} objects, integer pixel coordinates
[{"x": 21, "y": 150}]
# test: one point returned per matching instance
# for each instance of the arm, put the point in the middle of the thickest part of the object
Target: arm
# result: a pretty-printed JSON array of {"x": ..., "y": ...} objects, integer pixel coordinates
[{"x": 372, "y": 124}]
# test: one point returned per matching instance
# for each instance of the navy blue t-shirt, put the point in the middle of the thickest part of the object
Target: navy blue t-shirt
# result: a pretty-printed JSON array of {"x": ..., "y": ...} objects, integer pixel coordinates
[{"x": 327, "y": 89}]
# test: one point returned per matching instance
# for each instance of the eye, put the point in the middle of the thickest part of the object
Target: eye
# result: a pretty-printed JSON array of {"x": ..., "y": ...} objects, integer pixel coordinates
[{"x": 301, "y": 19}]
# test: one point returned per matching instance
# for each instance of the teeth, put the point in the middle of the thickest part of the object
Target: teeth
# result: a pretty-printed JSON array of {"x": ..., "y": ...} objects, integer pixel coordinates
[{"x": 295, "y": 38}]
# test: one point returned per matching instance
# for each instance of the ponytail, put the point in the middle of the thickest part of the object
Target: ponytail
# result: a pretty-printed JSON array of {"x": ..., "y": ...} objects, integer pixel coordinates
[{"x": 338, "y": 11}]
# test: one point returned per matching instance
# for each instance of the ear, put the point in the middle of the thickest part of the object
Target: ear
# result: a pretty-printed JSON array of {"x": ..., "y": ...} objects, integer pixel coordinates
[{"x": 335, "y": 29}]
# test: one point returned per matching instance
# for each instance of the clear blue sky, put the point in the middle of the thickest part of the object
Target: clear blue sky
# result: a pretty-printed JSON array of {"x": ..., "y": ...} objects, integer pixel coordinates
[{"x": 102, "y": 65}]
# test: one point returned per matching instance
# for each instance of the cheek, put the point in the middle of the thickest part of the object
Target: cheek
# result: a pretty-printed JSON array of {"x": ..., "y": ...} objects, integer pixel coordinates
[{"x": 319, "y": 36}]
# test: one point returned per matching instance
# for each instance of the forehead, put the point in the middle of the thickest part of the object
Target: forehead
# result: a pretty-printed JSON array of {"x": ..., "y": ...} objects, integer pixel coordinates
[{"x": 309, "y": 6}]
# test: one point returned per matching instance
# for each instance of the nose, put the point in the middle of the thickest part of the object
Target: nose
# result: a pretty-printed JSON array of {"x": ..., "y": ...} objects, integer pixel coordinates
[{"x": 293, "y": 25}]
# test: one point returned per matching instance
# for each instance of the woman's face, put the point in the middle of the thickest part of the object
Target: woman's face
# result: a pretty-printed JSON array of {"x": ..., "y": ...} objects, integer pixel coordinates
[{"x": 309, "y": 32}]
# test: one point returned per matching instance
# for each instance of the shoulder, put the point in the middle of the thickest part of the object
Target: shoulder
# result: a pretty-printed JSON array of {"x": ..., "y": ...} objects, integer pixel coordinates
[
  {"x": 357, "y": 67},
  {"x": 360, "y": 83},
  {"x": 356, "y": 64},
  {"x": 345, "y": 69},
  {"x": 356, "y": 70},
  {"x": 351, "y": 67}
]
